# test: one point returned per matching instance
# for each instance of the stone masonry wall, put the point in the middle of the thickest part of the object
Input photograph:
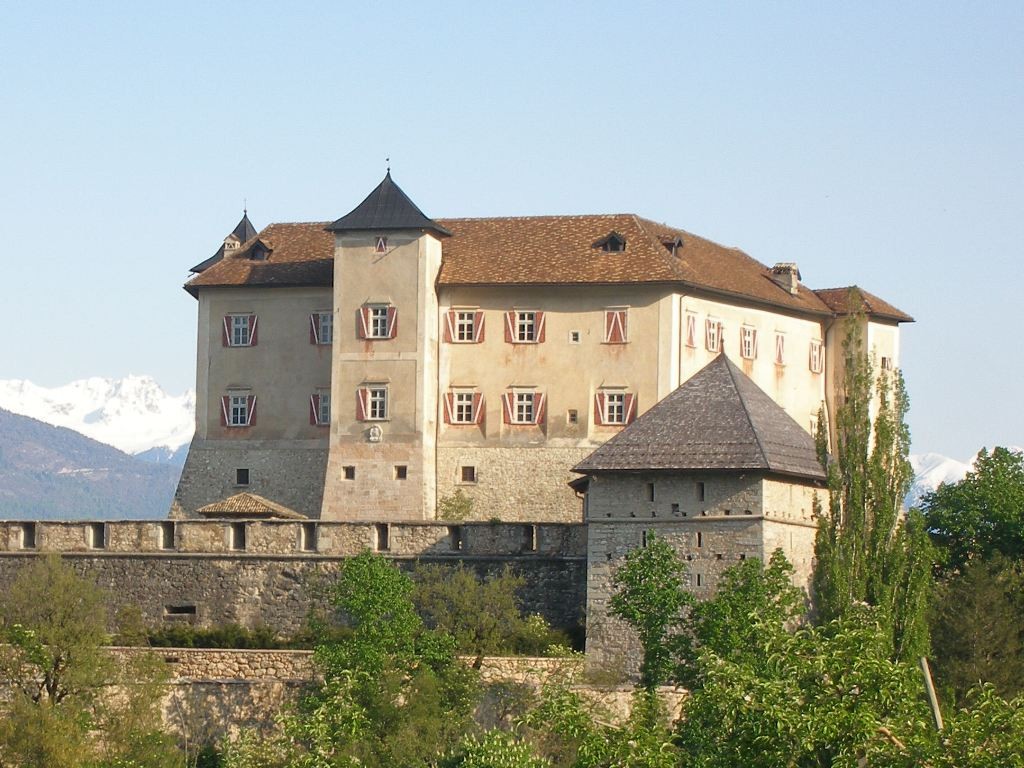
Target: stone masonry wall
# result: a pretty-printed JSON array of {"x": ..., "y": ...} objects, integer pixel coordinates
[
  {"x": 290, "y": 472},
  {"x": 271, "y": 581}
]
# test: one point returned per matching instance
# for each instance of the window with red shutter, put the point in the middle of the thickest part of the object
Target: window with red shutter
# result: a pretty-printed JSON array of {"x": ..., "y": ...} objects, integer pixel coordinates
[
  {"x": 524, "y": 406},
  {"x": 780, "y": 349},
  {"x": 377, "y": 321},
  {"x": 525, "y": 327},
  {"x": 713, "y": 331},
  {"x": 464, "y": 326},
  {"x": 615, "y": 326},
  {"x": 372, "y": 403},
  {"x": 320, "y": 408},
  {"x": 238, "y": 409},
  {"x": 691, "y": 329},
  {"x": 748, "y": 342},
  {"x": 817, "y": 356},
  {"x": 614, "y": 407},
  {"x": 321, "y": 328},
  {"x": 239, "y": 330}
]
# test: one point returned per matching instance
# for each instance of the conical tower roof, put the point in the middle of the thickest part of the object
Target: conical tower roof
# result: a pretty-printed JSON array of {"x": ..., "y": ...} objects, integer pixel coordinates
[
  {"x": 717, "y": 420},
  {"x": 244, "y": 231},
  {"x": 386, "y": 208}
]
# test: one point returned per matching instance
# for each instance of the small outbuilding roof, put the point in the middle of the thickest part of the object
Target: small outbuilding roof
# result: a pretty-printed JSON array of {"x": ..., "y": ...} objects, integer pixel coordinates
[
  {"x": 249, "y": 505},
  {"x": 717, "y": 420}
]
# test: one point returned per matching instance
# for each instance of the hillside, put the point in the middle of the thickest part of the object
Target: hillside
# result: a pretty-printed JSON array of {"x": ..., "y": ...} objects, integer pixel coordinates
[{"x": 51, "y": 472}]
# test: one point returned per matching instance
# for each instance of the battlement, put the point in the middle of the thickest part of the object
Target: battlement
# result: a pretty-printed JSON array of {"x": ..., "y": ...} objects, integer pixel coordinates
[{"x": 294, "y": 538}]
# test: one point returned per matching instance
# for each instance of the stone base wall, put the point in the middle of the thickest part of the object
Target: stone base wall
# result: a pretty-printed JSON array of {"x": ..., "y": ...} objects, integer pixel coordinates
[
  {"x": 290, "y": 472},
  {"x": 515, "y": 483}
]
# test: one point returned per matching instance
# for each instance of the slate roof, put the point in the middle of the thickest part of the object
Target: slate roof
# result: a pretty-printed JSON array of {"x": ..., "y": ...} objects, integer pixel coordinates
[
  {"x": 717, "y": 420},
  {"x": 386, "y": 208},
  {"x": 841, "y": 301},
  {"x": 243, "y": 231},
  {"x": 249, "y": 505}
]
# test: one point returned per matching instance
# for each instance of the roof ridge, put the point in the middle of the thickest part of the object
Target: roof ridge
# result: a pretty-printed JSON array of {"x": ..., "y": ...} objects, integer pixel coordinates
[{"x": 730, "y": 367}]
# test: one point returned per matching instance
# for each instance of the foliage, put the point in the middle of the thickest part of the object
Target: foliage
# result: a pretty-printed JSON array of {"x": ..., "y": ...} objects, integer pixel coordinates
[
  {"x": 455, "y": 506},
  {"x": 753, "y": 605},
  {"x": 650, "y": 598},
  {"x": 482, "y": 614},
  {"x": 70, "y": 704},
  {"x": 976, "y": 629},
  {"x": 496, "y": 749},
  {"x": 983, "y": 514},
  {"x": 866, "y": 550}
]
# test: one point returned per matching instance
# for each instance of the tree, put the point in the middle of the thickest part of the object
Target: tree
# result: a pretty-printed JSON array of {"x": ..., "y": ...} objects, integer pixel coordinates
[
  {"x": 650, "y": 597},
  {"x": 71, "y": 704},
  {"x": 866, "y": 549},
  {"x": 983, "y": 514}
]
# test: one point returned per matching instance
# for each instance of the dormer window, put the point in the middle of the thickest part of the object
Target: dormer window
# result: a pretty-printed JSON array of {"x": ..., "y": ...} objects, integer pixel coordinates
[
  {"x": 381, "y": 245},
  {"x": 258, "y": 252},
  {"x": 612, "y": 243}
]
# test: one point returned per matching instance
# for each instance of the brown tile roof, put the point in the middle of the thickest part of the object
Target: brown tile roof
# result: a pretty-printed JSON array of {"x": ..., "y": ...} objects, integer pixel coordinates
[
  {"x": 300, "y": 254},
  {"x": 843, "y": 301},
  {"x": 248, "y": 505},
  {"x": 716, "y": 420},
  {"x": 542, "y": 250}
]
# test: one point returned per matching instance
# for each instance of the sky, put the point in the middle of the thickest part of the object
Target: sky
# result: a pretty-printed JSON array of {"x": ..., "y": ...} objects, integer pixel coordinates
[{"x": 874, "y": 143}]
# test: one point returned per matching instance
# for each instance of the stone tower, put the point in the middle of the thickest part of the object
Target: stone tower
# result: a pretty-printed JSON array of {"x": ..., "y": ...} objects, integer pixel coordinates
[{"x": 382, "y": 457}]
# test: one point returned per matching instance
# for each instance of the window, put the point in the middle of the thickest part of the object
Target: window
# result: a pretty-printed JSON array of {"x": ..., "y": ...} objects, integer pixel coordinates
[
  {"x": 614, "y": 407},
  {"x": 574, "y": 337},
  {"x": 572, "y": 416},
  {"x": 713, "y": 334},
  {"x": 28, "y": 535},
  {"x": 167, "y": 535},
  {"x": 691, "y": 329},
  {"x": 236, "y": 536},
  {"x": 615, "y": 326},
  {"x": 321, "y": 327},
  {"x": 523, "y": 406},
  {"x": 348, "y": 472},
  {"x": 524, "y": 327},
  {"x": 700, "y": 539},
  {"x": 401, "y": 472},
  {"x": 886, "y": 363},
  {"x": 242, "y": 476},
  {"x": 613, "y": 242},
  {"x": 381, "y": 537},
  {"x": 817, "y": 358},
  {"x": 238, "y": 409},
  {"x": 308, "y": 537},
  {"x": 467, "y": 474},
  {"x": 780, "y": 349},
  {"x": 96, "y": 535},
  {"x": 378, "y": 321},
  {"x": 381, "y": 245},
  {"x": 372, "y": 403},
  {"x": 463, "y": 407},
  {"x": 464, "y": 326},
  {"x": 239, "y": 330},
  {"x": 320, "y": 408},
  {"x": 529, "y": 538},
  {"x": 700, "y": 491},
  {"x": 748, "y": 342},
  {"x": 179, "y": 611}
]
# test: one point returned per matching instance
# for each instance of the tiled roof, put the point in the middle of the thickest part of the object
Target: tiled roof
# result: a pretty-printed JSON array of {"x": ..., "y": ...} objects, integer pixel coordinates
[
  {"x": 544, "y": 250},
  {"x": 386, "y": 208},
  {"x": 717, "y": 420},
  {"x": 300, "y": 254},
  {"x": 842, "y": 301},
  {"x": 249, "y": 505}
]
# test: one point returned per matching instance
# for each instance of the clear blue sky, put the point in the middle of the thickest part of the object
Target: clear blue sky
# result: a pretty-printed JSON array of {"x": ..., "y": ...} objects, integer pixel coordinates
[{"x": 873, "y": 143}]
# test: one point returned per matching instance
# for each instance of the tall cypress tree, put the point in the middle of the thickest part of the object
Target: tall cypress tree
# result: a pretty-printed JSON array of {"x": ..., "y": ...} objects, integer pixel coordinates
[{"x": 867, "y": 548}]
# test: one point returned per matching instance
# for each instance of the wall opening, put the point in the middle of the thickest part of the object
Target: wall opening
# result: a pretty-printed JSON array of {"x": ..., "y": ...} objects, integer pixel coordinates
[
  {"x": 242, "y": 476},
  {"x": 700, "y": 539},
  {"x": 468, "y": 474},
  {"x": 167, "y": 535},
  {"x": 401, "y": 472},
  {"x": 381, "y": 537},
  {"x": 700, "y": 580},
  {"x": 308, "y": 535},
  {"x": 650, "y": 491},
  {"x": 349, "y": 473},
  {"x": 179, "y": 612},
  {"x": 236, "y": 537},
  {"x": 96, "y": 535},
  {"x": 28, "y": 536},
  {"x": 455, "y": 537},
  {"x": 529, "y": 538},
  {"x": 700, "y": 492}
]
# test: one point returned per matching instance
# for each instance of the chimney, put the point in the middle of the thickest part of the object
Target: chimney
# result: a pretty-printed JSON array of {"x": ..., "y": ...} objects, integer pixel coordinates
[{"x": 786, "y": 275}]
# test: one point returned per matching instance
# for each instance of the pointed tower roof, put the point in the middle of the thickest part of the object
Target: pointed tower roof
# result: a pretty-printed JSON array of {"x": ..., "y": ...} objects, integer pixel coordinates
[
  {"x": 386, "y": 208},
  {"x": 717, "y": 420},
  {"x": 243, "y": 231}
]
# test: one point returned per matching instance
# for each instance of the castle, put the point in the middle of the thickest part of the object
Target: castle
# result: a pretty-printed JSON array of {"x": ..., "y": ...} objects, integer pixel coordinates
[{"x": 580, "y": 381}]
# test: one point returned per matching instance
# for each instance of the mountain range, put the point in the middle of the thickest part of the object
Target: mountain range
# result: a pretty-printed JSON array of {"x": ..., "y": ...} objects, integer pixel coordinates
[{"x": 115, "y": 448}]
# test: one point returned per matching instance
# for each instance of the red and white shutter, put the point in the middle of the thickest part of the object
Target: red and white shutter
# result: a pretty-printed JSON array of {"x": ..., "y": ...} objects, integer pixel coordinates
[
  {"x": 314, "y": 410},
  {"x": 478, "y": 408},
  {"x": 392, "y": 329},
  {"x": 449, "y": 326},
  {"x": 630, "y": 406},
  {"x": 250, "y": 410},
  {"x": 363, "y": 322},
  {"x": 314, "y": 328},
  {"x": 478, "y": 327},
  {"x": 510, "y": 329},
  {"x": 226, "y": 337},
  {"x": 599, "y": 408},
  {"x": 252, "y": 330},
  {"x": 615, "y": 326},
  {"x": 225, "y": 403},
  {"x": 449, "y": 407},
  {"x": 753, "y": 344},
  {"x": 362, "y": 394},
  {"x": 540, "y": 403},
  {"x": 691, "y": 330},
  {"x": 539, "y": 318},
  {"x": 780, "y": 349},
  {"x": 506, "y": 407},
  {"x": 709, "y": 335}
]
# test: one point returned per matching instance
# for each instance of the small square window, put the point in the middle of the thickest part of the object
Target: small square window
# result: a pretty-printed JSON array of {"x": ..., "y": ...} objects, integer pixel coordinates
[
  {"x": 349, "y": 472},
  {"x": 574, "y": 337},
  {"x": 572, "y": 416},
  {"x": 242, "y": 476},
  {"x": 468, "y": 474},
  {"x": 401, "y": 472}
]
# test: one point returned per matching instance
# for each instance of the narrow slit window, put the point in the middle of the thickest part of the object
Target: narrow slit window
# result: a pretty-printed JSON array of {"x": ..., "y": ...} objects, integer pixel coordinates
[
  {"x": 382, "y": 537},
  {"x": 167, "y": 535},
  {"x": 455, "y": 537},
  {"x": 308, "y": 537},
  {"x": 236, "y": 537},
  {"x": 28, "y": 535},
  {"x": 529, "y": 538},
  {"x": 97, "y": 534}
]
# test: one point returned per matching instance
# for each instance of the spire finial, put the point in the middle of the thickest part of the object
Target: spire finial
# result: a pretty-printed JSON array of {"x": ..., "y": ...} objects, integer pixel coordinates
[
  {"x": 245, "y": 206},
  {"x": 388, "y": 161}
]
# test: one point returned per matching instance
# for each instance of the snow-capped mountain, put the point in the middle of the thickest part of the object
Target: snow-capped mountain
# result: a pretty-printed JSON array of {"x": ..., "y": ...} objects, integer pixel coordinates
[
  {"x": 132, "y": 414},
  {"x": 933, "y": 469}
]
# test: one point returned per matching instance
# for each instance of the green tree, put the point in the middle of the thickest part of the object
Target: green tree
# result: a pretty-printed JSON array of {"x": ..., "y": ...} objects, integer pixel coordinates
[
  {"x": 976, "y": 629},
  {"x": 866, "y": 549},
  {"x": 983, "y": 514},
  {"x": 650, "y": 597}
]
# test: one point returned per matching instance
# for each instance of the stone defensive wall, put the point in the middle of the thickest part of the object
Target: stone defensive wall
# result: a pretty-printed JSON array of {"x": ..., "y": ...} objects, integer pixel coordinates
[{"x": 272, "y": 573}]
